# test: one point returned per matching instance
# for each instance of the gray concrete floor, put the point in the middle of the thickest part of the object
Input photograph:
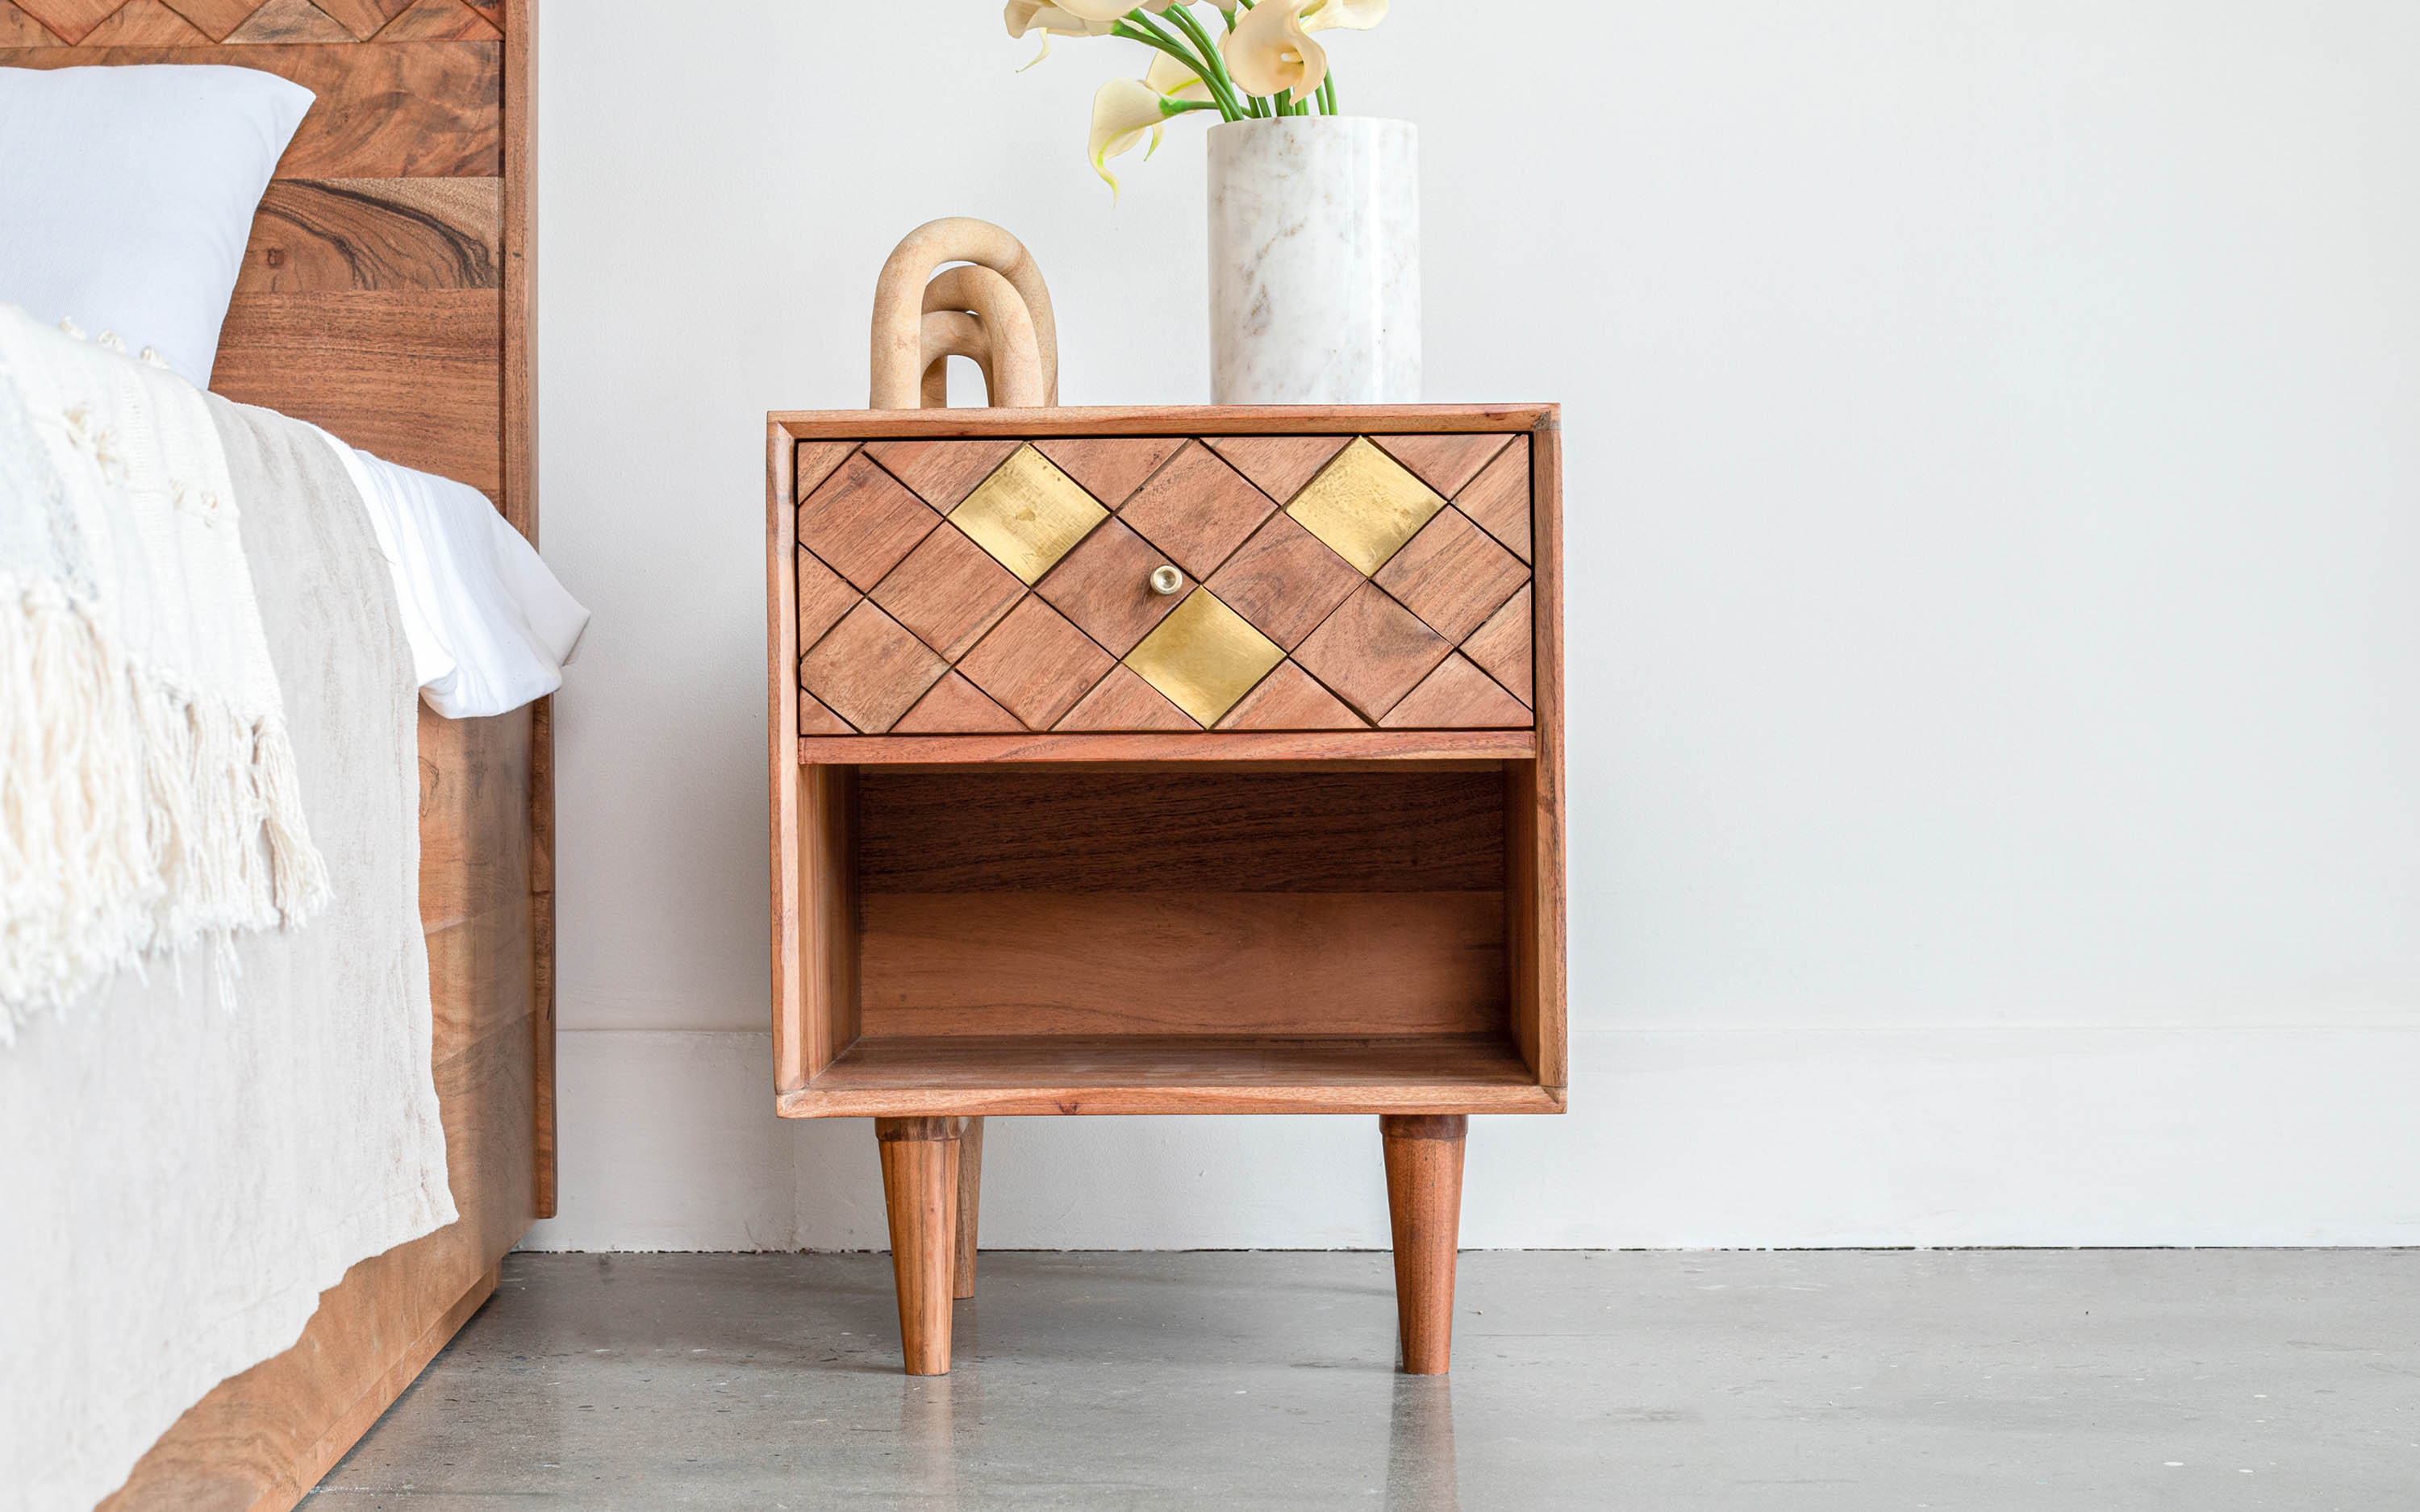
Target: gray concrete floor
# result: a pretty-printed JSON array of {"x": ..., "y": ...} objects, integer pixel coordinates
[{"x": 2198, "y": 1380}]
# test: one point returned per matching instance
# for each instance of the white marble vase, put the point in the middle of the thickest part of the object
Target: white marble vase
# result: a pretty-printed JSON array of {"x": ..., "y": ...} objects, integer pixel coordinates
[{"x": 1315, "y": 261}]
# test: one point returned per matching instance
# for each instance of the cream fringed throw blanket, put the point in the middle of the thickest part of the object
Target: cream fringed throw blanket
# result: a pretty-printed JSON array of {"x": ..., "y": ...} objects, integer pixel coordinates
[
  {"x": 148, "y": 795},
  {"x": 179, "y": 1184}
]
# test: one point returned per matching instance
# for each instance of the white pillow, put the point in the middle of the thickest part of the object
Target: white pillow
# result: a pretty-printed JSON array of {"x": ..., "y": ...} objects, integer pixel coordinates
[{"x": 127, "y": 195}]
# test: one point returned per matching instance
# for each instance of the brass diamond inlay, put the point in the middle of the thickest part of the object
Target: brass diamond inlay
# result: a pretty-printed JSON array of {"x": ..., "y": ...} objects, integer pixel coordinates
[
  {"x": 1205, "y": 656},
  {"x": 1365, "y": 505},
  {"x": 1027, "y": 513}
]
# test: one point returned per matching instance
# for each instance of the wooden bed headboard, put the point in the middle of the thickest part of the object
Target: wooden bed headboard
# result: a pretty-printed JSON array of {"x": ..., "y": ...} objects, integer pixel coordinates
[{"x": 386, "y": 295}]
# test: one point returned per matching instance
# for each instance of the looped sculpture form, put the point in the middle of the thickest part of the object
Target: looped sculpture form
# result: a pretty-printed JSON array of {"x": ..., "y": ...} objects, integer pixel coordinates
[{"x": 994, "y": 309}]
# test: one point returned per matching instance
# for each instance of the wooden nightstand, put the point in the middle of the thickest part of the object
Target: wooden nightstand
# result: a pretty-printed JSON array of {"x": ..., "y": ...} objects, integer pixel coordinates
[{"x": 1166, "y": 761}]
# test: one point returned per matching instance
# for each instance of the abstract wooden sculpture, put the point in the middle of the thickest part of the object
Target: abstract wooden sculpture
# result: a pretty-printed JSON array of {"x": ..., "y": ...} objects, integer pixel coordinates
[
  {"x": 1000, "y": 291},
  {"x": 1156, "y": 760}
]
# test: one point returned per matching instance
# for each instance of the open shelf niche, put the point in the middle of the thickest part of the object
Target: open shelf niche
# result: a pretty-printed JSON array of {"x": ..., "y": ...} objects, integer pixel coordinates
[{"x": 1099, "y": 937}]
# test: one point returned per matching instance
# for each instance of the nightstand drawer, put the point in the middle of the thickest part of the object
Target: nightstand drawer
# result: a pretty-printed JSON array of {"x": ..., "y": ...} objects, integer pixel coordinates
[{"x": 1165, "y": 583}]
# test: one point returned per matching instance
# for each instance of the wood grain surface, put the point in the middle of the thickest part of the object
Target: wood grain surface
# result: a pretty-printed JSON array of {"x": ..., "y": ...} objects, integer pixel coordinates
[
  {"x": 955, "y": 704},
  {"x": 1443, "y": 463},
  {"x": 919, "y": 1195},
  {"x": 393, "y": 110},
  {"x": 1424, "y": 1210},
  {"x": 1122, "y": 701},
  {"x": 414, "y": 376},
  {"x": 970, "y": 1214},
  {"x": 324, "y": 236},
  {"x": 1361, "y": 744},
  {"x": 1074, "y": 831},
  {"x": 1278, "y": 464},
  {"x": 1290, "y": 699},
  {"x": 1029, "y": 1075},
  {"x": 1340, "y": 419},
  {"x": 1458, "y": 695},
  {"x": 1202, "y": 963}
]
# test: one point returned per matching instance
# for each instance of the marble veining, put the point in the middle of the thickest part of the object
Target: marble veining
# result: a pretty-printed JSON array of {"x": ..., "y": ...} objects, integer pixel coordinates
[{"x": 1315, "y": 261}]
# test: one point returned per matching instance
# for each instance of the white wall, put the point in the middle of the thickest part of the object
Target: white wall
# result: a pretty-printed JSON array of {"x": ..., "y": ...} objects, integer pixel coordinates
[{"x": 1994, "y": 442}]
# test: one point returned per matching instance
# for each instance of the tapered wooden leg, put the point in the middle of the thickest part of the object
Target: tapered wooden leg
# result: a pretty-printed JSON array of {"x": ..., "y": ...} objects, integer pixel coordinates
[
  {"x": 970, "y": 1204},
  {"x": 1424, "y": 1200},
  {"x": 919, "y": 1188}
]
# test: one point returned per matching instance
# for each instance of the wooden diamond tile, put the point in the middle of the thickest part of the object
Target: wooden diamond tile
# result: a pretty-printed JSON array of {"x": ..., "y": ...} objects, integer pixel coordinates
[
  {"x": 1197, "y": 509},
  {"x": 146, "y": 23},
  {"x": 216, "y": 17},
  {"x": 956, "y": 706},
  {"x": 862, "y": 522},
  {"x": 1104, "y": 585},
  {"x": 870, "y": 670},
  {"x": 1110, "y": 469},
  {"x": 1278, "y": 466},
  {"x": 439, "y": 20},
  {"x": 1290, "y": 699},
  {"x": 1372, "y": 652},
  {"x": 1498, "y": 498},
  {"x": 18, "y": 29},
  {"x": 68, "y": 19},
  {"x": 949, "y": 591},
  {"x": 1125, "y": 701},
  {"x": 1035, "y": 664},
  {"x": 1444, "y": 461},
  {"x": 942, "y": 473},
  {"x": 1284, "y": 580},
  {"x": 290, "y": 21},
  {"x": 1453, "y": 575},
  {"x": 1458, "y": 696},
  {"x": 364, "y": 18},
  {"x": 1027, "y": 513},
  {"x": 816, "y": 462},
  {"x": 815, "y": 719},
  {"x": 1365, "y": 505},
  {"x": 1205, "y": 656},
  {"x": 824, "y": 597},
  {"x": 1501, "y": 647}
]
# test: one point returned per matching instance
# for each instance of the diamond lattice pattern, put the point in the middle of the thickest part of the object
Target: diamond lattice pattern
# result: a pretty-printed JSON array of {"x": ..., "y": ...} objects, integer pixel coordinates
[
  {"x": 204, "y": 22},
  {"x": 1320, "y": 583}
]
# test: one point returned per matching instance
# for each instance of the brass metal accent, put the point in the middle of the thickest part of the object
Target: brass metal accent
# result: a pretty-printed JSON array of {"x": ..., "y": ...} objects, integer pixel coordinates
[
  {"x": 1205, "y": 656},
  {"x": 1027, "y": 513},
  {"x": 1166, "y": 580},
  {"x": 1365, "y": 505}
]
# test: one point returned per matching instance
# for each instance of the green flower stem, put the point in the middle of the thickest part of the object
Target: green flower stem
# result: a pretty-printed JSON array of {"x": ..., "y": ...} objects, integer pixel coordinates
[
  {"x": 1182, "y": 15},
  {"x": 1328, "y": 93},
  {"x": 1153, "y": 37}
]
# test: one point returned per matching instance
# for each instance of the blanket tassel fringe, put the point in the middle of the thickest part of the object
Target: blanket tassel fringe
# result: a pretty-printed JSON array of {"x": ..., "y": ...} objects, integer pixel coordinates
[{"x": 135, "y": 817}]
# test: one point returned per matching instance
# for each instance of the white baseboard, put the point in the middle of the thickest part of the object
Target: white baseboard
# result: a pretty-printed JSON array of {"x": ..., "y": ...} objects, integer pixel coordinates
[{"x": 2052, "y": 1138}]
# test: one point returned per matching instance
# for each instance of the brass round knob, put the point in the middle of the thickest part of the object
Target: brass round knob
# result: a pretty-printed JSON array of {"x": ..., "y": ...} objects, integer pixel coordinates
[{"x": 1166, "y": 580}]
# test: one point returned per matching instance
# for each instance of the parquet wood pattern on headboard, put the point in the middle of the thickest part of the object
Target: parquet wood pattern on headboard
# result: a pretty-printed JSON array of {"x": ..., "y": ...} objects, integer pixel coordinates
[{"x": 384, "y": 293}]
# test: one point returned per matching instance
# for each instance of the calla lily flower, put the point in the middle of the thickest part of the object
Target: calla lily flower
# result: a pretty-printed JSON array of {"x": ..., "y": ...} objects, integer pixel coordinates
[
  {"x": 1270, "y": 51},
  {"x": 1037, "y": 16},
  {"x": 1173, "y": 80},
  {"x": 1050, "y": 20},
  {"x": 1106, "y": 11},
  {"x": 1354, "y": 15},
  {"x": 1123, "y": 111}
]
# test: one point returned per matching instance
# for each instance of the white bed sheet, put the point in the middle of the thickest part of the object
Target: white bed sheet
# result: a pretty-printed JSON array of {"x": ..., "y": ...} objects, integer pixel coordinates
[{"x": 491, "y": 628}]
